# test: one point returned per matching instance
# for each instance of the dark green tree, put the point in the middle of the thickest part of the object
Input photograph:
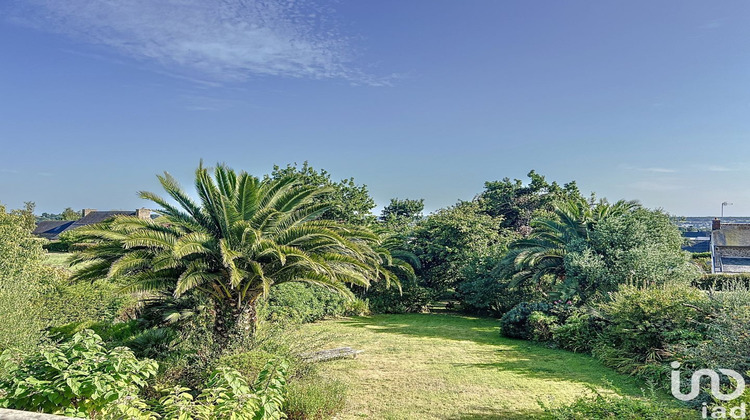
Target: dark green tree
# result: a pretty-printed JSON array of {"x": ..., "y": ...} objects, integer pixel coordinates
[
  {"x": 70, "y": 214},
  {"x": 443, "y": 240},
  {"x": 402, "y": 212},
  {"x": 346, "y": 201},
  {"x": 517, "y": 203}
]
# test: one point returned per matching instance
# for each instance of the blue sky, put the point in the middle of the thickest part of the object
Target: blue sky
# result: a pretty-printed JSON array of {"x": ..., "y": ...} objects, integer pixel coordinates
[{"x": 420, "y": 99}]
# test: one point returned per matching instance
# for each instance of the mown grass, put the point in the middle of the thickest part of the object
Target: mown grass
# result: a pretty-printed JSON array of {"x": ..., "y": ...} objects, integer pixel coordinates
[{"x": 440, "y": 366}]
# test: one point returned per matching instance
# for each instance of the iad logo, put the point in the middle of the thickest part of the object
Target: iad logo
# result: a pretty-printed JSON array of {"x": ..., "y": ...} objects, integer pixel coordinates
[{"x": 738, "y": 412}]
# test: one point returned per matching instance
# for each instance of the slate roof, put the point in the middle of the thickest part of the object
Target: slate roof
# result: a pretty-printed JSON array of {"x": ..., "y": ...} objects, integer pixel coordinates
[
  {"x": 732, "y": 235},
  {"x": 99, "y": 216},
  {"x": 51, "y": 229}
]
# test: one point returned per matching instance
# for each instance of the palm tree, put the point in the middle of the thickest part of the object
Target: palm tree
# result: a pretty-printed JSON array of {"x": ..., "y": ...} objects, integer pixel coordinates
[
  {"x": 543, "y": 252},
  {"x": 243, "y": 236}
]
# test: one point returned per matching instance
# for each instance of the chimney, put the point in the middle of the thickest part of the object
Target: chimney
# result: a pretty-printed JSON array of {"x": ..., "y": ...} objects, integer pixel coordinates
[
  {"x": 143, "y": 213},
  {"x": 86, "y": 212},
  {"x": 716, "y": 224}
]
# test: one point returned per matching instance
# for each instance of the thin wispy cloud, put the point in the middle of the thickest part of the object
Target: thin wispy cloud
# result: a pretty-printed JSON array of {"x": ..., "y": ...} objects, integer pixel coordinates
[
  {"x": 721, "y": 167},
  {"x": 653, "y": 169},
  {"x": 230, "y": 40}
]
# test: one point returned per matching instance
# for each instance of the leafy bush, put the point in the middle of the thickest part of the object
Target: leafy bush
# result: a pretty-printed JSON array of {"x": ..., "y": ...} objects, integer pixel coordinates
[
  {"x": 643, "y": 323},
  {"x": 613, "y": 407},
  {"x": 519, "y": 323},
  {"x": 483, "y": 291},
  {"x": 541, "y": 326},
  {"x": 578, "y": 333},
  {"x": 24, "y": 281},
  {"x": 81, "y": 378},
  {"x": 299, "y": 302},
  {"x": 315, "y": 399},
  {"x": 97, "y": 301},
  {"x": 413, "y": 298},
  {"x": 727, "y": 340},
  {"x": 515, "y": 323},
  {"x": 722, "y": 281},
  {"x": 74, "y": 378}
]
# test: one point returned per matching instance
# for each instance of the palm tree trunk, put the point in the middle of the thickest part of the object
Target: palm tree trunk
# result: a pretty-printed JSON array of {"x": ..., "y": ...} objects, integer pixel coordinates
[{"x": 234, "y": 324}]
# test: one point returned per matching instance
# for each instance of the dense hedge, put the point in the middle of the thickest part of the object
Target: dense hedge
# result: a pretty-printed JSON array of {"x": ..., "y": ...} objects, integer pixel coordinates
[
  {"x": 300, "y": 302},
  {"x": 722, "y": 281}
]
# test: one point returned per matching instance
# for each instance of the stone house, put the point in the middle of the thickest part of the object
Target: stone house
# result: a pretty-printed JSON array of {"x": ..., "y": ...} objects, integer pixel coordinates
[{"x": 730, "y": 247}]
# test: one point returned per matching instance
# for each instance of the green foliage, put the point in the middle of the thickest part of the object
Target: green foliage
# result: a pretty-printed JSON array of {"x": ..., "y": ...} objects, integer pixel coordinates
[
  {"x": 721, "y": 281},
  {"x": 642, "y": 324},
  {"x": 589, "y": 249},
  {"x": 412, "y": 298},
  {"x": 402, "y": 213},
  {"x": 517, "y": 204},
  {"x": 615, "y": 407},
  {"x": 444, "y": 239},
  {"x": 97, "y": 301},
  {"x": 25, "y": 280},
  {"x": 248, "y": 363},
  {"x": 578, "y": 334},
  {"x": 535, "y": 320},
  {"x": 541, "y": 326},
  {"x": 245, "y": 236},
  {"x": 70, "y": 214},
  {"x": 81, "y": 377},
  {"x": 307, "y": 303},
  {"x": 345, "y": 200},
  {"x": 482, "y": 290},
  {"x": 515, "y": 323},
  {"x": 727, "y": 337},
  {"x": 76, "y": 378},
  {"x": 315, "y": 400}
]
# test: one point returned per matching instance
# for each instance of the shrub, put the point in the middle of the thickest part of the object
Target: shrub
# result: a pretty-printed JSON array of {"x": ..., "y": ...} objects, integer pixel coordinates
[
  {"x": 315, "y": 399},
  {"x": 614, "y": 407},
  {"x": 75, "y": 378},
  {"x": 81, "y": 378},
  {"x": 24, "y": 281},
  {"x": 642, "y": 323},
  {"x": 578, "y": 333},
  {"x": 722, "y": 281},
  {"x": 299, "y": 302},
  {"x": 515, "y": 323},
  {"x": 413, "y": 298},
  {"x": 727, "y": 339},
  {"x": 541, "y": 326}
]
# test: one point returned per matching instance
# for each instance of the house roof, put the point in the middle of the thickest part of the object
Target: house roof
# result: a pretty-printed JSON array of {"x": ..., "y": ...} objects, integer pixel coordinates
[
  {"x": 99, "y": 216},
  {"x": 51, "y": 229},
  {"x": 737, "y": 235}
]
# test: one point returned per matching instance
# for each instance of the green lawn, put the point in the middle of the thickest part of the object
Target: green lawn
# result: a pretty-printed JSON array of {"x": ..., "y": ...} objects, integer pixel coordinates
[{"x": 439, "y": 366}]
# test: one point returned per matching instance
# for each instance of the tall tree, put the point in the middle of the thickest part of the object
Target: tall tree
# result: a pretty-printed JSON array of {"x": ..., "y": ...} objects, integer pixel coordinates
[
  {"x": 347, "y": 202},
  {"x": 70, "y": 214},
  {"x": 243, "y": 236},
  {"x": 517, "y": 203}
]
